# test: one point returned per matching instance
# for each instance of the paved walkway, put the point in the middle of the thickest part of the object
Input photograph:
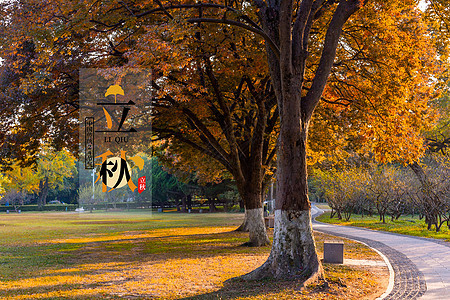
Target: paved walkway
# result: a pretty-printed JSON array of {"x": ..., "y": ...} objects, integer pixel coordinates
[{"x": 421, "y": 266}]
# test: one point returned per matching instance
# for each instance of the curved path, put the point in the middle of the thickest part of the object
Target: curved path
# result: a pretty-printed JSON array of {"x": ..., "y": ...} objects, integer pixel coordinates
[{"x": 421, "y": 266}]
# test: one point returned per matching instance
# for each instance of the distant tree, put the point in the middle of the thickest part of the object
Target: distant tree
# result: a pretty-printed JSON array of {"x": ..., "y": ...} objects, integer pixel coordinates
[
  {"x": 344, "y": 190},
  {"x": 3, "y": 182},
  {"x": 50, "y": 172},
  {"x": 21, "y": 179},
  {"x": 388, "y": 192},
  {"x": 89, "y": 195},
  {"x": 229, "y": 198},
  {"x": 432, "y": 197},
  {"x": 214, "y": 191},
  {"x": 165, "y": 186},
  {"x": 68, "y": 190},
  {"x": 15, "y": 199},
  {"x": 52, "y": 168}
]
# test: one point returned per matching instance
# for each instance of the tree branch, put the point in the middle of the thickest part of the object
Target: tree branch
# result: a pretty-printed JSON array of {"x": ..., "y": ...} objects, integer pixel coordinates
[
  {"x": 164, "y": 9},
  {"x": 187, "y": 6},
  {"x": 302, "y": 18},
  {"x": 260, "y": 32},
  {"x": 180, "y": 137},
  {"x": 197, "y": 124},
  {"x": 344, "y": 10}
]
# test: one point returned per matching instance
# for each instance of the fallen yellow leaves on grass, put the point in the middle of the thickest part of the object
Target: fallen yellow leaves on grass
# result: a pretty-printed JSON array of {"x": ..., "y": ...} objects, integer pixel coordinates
[
  {"x": 133, "y": 235},
  {"x": 172, "y": 263}
]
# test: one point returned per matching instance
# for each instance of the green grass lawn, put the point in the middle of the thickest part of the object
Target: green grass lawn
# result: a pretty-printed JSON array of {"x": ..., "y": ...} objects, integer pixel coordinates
[
  {"x": 405, "y": 225},
  {"x": 322, "y": 206},
  {"x": 144, "y": 255}
]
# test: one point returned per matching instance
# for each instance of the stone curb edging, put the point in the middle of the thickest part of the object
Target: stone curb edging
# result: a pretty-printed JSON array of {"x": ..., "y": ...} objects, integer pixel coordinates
[
  {"x": 409, "y": 282},
  {"x": 389, "y": 266}
]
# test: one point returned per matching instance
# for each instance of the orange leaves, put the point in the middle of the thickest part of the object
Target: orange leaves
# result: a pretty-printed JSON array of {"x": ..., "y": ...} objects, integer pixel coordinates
[{"x": 382, "y": 83}]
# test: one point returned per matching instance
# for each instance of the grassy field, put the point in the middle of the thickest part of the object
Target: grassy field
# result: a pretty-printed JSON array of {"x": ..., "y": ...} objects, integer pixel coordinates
[
  {"x": 404, "y": 225},
  {"x": 138, "y": 255}
]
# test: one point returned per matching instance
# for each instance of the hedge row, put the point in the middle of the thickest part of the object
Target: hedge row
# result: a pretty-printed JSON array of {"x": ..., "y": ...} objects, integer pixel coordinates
[
  {"x": 50, "y": 207},
  {"x": 120, "y": 205}
]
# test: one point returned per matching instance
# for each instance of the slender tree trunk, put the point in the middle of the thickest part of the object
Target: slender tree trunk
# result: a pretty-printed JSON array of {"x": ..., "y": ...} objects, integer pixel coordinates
[
  {"x": 420, "y": 173},
  {"x": 212, "y": 207},
  {"x": 183, "y": 204},
  {"x": 225, "y": 205},
  {"x": 430, "y": 214},
  {"x": 43, "y": 192},
  {"x": 241, "y": 204},
  {"x": 189, "y": 201},
  {"x": 332, "y": 213}
]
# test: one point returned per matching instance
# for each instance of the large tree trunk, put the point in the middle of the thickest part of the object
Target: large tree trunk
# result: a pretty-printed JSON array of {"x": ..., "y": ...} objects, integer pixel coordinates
[
  {"x": 256, "y": 226},
  {"x": 244, "y": 226},
  {"x": 254, "y": 218},
  {"x": 293, "y": 252},
  {"x": 249, "y": 180}
]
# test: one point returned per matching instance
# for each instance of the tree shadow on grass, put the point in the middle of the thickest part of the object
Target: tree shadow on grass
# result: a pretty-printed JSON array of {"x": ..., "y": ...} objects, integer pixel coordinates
[
  {"x": 237, "y": 288},
  {"x": 160, "y": 248},
  {"x": 48, "y": 258}
]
